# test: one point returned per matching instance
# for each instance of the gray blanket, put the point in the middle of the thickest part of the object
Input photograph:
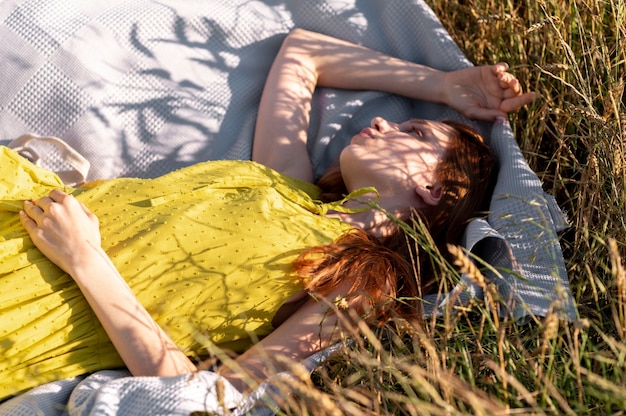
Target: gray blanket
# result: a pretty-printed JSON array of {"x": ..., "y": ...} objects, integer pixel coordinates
[{"x": 142, "y": 87}]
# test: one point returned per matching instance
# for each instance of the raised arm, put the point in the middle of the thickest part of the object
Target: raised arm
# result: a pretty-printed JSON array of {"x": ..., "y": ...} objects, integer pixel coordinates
[
  {"x": 68, "y": 234},
  {"x": 308, "y": 59}
]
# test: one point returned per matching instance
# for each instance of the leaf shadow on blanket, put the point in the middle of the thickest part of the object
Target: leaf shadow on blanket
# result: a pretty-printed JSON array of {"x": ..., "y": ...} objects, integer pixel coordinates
[{"x": 209, "y": 112}]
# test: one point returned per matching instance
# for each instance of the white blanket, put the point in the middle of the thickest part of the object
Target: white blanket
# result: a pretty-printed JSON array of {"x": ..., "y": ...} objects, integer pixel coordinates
[{"x": 142, "y": 87}]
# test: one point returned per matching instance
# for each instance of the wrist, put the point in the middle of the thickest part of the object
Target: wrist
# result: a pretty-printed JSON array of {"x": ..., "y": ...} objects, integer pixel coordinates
[
  {"x": 428, "y": 84},
  {"x": 443, "y": 87},
  {"x": 87, "y": 262}
]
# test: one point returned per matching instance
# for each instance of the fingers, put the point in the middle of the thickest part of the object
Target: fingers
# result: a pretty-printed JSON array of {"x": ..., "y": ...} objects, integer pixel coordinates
[
  {"x": 507, "y": 81},
  {"x": 33, "y": 211},
  {"x": 500, "y": 67},
  {"x": 513, "y": 96},
  {"x": 514, "y": 103},
  {"x": 44, "y": 203},
  {"x": 36, "y": 209},
  {"x": 510, "y": 84},
  {"x": 506, "y": 106},
  {"x": 27, "y": 222},
  {"x": 58, "y": 195}
]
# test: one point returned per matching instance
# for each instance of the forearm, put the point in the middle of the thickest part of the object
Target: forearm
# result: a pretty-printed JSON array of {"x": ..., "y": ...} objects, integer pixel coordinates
[
  {"x": 307, "y": 60},
  {"x": 344, "y": 65},
  {"x": 312, "y": 327},
  {"x": 145, "y": 348},
  {"x": 68, "y": 234}
]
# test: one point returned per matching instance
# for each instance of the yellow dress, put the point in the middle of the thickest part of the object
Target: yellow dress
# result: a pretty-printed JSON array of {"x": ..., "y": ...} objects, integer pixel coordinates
[{"x": 206, "y": 249}]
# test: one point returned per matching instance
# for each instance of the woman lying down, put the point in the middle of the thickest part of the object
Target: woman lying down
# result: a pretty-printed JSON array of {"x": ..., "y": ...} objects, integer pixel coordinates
[{"x": 147, "y": 273}]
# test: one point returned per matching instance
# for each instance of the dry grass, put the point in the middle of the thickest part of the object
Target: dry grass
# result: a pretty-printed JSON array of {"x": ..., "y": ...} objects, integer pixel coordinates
[{"x": 573, "y": 54}]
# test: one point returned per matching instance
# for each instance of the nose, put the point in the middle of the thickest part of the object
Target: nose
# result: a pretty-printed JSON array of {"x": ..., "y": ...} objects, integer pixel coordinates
[{"x": 383, "y": 125}]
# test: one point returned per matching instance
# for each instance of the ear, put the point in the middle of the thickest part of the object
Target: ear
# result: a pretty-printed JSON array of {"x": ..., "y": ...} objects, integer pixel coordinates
[{"x": 431, "y": 194}]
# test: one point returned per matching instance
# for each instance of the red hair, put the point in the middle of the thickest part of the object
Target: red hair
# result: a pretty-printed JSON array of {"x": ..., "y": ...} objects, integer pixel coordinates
[{"x": 388, "y": 275}]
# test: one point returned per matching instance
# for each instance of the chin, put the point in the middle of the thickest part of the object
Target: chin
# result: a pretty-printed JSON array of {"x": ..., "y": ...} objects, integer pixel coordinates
[{"x": 355, "y": 140}]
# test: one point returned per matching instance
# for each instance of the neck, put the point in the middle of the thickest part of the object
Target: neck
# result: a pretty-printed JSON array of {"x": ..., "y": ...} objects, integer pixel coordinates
[{"x": 373, "y": 220}]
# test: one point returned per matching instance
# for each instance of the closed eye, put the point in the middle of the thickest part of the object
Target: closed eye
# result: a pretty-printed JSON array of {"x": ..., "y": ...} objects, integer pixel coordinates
[{"x": 417, "y": 131}]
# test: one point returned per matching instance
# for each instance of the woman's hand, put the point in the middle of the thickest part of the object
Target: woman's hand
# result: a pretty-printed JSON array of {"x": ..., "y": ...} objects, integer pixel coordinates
[
  {"x": 62, "y": 228},
  {"x": 69, "y": 235},
  {"x": 485, "y": 92}
]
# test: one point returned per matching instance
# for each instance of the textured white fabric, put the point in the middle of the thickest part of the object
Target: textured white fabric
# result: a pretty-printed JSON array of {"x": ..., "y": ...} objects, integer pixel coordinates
[
  {"x": 46, "y": 400},
  {"x": 529, "y": 220},
  {"x": 108, "y": 393},
  {"x": 115, "y": 392},
  {"x": 143, "y": 87}
]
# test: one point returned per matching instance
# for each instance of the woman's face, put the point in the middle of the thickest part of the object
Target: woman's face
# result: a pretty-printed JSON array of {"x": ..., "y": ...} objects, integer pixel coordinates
[{"x": 396, "y": 158}]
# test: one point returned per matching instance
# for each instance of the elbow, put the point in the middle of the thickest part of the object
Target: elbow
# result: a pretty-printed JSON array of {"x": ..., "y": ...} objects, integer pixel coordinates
[{"x": 300, "y": 34}]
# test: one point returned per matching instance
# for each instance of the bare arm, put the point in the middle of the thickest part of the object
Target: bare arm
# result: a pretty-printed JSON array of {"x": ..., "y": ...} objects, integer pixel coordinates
[
  {"x": 311, "y": 328},
  {"x": 68, "y": 234},
  {"x": 308, "y": 59}
]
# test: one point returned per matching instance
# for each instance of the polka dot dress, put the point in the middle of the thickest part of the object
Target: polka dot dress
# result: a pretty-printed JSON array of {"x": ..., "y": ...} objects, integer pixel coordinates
[{"x": 206, "y": 249}]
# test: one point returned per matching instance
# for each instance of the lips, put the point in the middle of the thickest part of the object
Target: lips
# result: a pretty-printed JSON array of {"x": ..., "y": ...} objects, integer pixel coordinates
[{"x": 368, "y": 131}]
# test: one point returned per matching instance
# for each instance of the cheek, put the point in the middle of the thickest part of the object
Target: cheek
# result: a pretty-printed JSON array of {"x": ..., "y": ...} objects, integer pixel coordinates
[
  {"x": 359, "y": 167},
  {"x": 423, "y": 162}
]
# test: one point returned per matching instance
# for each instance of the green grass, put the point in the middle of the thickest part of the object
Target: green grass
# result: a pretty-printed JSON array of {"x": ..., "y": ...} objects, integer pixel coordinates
[{"x": 573, "y": 54}]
